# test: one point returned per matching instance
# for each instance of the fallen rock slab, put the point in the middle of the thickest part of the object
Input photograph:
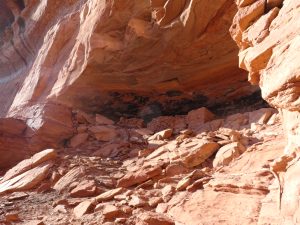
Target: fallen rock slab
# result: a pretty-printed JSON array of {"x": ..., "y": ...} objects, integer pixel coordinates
[
  {"x": 183, "y": 183},
  {"x": 167, "y": 192},
  {"x": 111, "y": 212},
  {"x": 26, "y": 180},
  {"x": 83, "y": 208},
  {"x": 27, "y": 164},
  {"x": 140, "y": 176},
  {"x": 104, "y": 133},
  {"x": 108, "y": 195},
  {"x": 228, "y": 153},
  {"x": 164, "y": 134},
  {"x": 196, "y": 152},
  {"x": 151, "y": 218},
  {"x": 85, "y": 188},
  {"x": 197, "y": 117},
  {"x": 102, "y": 120},
  {"x": 137, "y": 201},
  {"x": 191, "y": 152},
  {"x": 17, "y": 196},
  {"x": 70, "y": 177},
  {"x": 78, "y": 139}
]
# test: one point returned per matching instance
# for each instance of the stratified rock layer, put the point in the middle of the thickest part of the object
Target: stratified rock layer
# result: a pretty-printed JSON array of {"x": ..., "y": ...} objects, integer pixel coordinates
[
  {"x": 267, "y": 33},
  {"x": 103, "y": 56},
  {"x": 268, "y": 36},
  {"x": 142, "y": 58}
]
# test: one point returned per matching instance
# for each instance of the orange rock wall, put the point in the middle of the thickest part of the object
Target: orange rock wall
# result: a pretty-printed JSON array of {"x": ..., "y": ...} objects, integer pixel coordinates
[
  {"x": 82, "y": 52},
  {"x": 267, "y": 33},
  {"x": 140, "y": 58}
]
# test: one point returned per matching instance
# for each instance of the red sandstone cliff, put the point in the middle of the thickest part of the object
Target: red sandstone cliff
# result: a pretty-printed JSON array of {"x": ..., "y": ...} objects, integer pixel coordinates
[
  {"x": 62, "y": 62},
  {"x": 68, "y": 51},
  {"x": 267, "y": 33},
  {"x": 121, "y": 58}
]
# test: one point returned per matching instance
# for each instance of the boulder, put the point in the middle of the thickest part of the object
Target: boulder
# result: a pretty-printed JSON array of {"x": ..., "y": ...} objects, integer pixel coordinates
[
  {"x": 78, "y": 139},
  {"x": 167, "y": 192},
  {"x": 151, "y": 218},
  {"x": 108, "y": 195},
  {"x": 183, "y": 183},
  {"x": 83, "y": 208},
  {"x": 137, "y": 201},
  {"x": 191, "y": 152},
  {"x": 164, "y": 134},
  {"x": 27, "y": 164},
  {"x": 228, "y": 153},
  {"x": 140, "y": 176},
  {"x": 85, "y": 188},
  {"x": 104, "y": 133},
  {"x": 197, "y": 117},
  {"x": 102, "y": 120},
  {"x": 261, "y": 116},
  {"x": 236, "y": 121},
  {"x": 195, "y": 153},
  {"x": 111, "y": 212},
  {"x": 70, "y": 177},
  {"x": 26, "y": 180}
]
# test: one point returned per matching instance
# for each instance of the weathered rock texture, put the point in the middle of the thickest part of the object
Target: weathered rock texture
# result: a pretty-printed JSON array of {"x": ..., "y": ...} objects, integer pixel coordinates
[
  {"x": 217, "y": 173},
  {"x": 103, "y": 55},
  {"x": 121, "y": 58},
  {"x": 267, "y": 33},
  {"x": 60, "y": 60}
]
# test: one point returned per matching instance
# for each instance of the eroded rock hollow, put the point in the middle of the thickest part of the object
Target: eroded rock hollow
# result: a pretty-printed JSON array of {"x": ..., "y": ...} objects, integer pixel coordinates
[
  {"x": 119, "y": 58},
  {"x": 136, "y": 112}
]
